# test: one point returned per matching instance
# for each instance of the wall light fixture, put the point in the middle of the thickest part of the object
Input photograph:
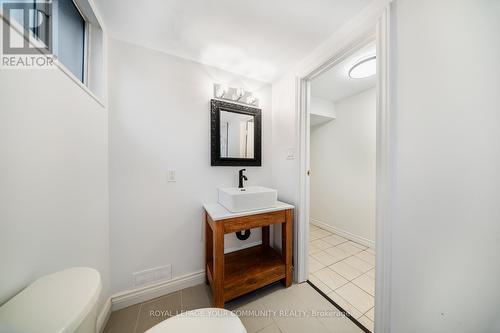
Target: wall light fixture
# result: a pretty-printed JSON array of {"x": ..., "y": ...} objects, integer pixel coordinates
[{"x": 238, "y": 95}]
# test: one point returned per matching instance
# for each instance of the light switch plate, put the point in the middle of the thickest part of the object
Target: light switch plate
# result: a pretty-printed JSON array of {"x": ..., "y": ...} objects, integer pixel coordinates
[{"x": 290, "y": 154}]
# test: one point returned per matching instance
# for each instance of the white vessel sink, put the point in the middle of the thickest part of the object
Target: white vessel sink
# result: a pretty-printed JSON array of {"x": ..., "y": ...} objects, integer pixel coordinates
[{"x": 249, "y": 198}]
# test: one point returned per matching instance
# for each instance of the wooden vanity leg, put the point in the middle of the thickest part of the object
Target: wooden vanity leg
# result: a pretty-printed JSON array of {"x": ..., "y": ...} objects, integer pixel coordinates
[
  {"x": 208, "y": 246},
  {"x": 218, "y": 255},
  {"x": 265, "y": 235},
  {"x": 286, "y": 246}
]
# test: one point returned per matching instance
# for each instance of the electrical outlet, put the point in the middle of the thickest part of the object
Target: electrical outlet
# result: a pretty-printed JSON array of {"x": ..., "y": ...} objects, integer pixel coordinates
[
  {"x": 171, "y": 176},
  {"x": 152, "y": 275}
]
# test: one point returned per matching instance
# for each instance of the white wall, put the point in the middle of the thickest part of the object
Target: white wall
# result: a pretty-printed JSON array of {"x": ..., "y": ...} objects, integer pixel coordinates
[
  {"x": 323, "y": 107},
  {"x": 285, "y": 98},
  {"x": 160, "y": 120},
  {"x": 446, "y": 227},
  {"x": 53, "y": 179},
  {"x": 284, "y": 132},
  {"x": 445, "y": 269},
  {"x": 343, "y": 156},
  {"x": 321, "y": 110},
  {"x": 286, "y": 126}
]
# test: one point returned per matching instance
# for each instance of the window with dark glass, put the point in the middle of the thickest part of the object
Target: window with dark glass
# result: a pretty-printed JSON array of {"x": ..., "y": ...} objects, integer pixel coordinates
[{"x": 69, "y": 39}]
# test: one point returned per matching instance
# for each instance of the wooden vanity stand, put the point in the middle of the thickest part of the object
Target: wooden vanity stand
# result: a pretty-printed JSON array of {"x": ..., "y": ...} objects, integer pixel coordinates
[{"x": 237, "y": 273}]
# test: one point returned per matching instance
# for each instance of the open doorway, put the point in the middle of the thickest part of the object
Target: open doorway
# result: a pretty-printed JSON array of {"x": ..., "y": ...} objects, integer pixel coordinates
[{"x": 342, "y": 148}]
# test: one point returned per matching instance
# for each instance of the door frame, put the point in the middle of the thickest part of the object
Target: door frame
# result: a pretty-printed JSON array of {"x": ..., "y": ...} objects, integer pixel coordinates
[{"x": 385, "y": 141}]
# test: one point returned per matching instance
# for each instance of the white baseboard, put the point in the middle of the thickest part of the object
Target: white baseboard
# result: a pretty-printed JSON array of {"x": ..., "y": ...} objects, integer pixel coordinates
[
  {"x": 146, "y": 293},
  {"x": 103, "y": 316},
  {"x": 343, "y": 233},
  {"x": 143, "y": 294}
]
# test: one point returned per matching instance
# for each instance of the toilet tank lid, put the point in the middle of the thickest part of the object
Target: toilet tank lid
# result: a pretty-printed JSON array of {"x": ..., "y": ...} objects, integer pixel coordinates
[{"x": 55, "y": 303}]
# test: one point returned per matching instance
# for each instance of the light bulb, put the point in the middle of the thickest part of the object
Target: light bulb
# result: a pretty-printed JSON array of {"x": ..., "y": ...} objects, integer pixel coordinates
[
  {"x": 239, "y": 94},
  {"x": 222, "y": 91},
  {"x": 251, "y": 99}
]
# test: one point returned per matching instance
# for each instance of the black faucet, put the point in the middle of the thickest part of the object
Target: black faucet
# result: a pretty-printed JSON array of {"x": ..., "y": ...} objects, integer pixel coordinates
[{"x": 242, "y": 177}]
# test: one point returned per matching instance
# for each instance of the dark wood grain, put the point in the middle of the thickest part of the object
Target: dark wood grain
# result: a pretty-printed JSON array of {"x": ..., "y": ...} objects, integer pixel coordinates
[
  {"x": 253, "y": 221},
  {"x": 218, "y": 263},
  {"x": 265, "y": 235},
  {"x": 208, "y": 245},
  {"x": 287, "y": 243},
  {"x": 250, "y": 269}
]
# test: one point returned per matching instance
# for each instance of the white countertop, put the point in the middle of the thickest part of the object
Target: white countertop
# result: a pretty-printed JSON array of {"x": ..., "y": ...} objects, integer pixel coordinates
[{"x": 218, "y": 212}]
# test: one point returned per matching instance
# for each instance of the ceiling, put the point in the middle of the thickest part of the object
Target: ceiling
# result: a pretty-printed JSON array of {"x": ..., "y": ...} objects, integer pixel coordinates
[
  {"x": 335, "y": 84},
  {"x": 259, "y": 39}
]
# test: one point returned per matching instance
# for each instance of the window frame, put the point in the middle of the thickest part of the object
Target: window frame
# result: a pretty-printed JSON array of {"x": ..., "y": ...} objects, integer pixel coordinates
[{"x": 86, "y": 42}]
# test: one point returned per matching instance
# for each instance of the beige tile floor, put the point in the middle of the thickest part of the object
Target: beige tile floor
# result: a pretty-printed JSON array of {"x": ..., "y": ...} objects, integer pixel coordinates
[
  {"x": 138, "y": 318},
  {"x": 345, "y": 271},
  {"x": 273, "y": 309}
]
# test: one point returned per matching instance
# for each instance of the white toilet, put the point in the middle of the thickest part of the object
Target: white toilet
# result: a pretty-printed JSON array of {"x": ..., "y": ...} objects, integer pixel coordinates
[
  {"x": 66, "y": 302},
  {"x": 62, "y": 302}
]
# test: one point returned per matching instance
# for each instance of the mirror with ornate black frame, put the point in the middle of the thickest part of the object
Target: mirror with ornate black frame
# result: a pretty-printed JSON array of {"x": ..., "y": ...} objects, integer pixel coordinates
[{"x": 236, "y": 132}]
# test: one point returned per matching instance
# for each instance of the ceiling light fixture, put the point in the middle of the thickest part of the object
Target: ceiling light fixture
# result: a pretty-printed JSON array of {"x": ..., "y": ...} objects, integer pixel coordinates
[{"x": 364, "y": 68}]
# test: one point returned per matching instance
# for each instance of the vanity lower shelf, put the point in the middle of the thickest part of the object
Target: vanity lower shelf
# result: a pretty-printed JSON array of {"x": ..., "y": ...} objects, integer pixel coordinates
[{"x": 249, "y": 269}]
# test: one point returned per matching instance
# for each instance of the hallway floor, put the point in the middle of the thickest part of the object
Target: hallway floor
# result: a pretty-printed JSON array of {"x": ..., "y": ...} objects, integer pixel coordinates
[{"x": 344, "y": 271}]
